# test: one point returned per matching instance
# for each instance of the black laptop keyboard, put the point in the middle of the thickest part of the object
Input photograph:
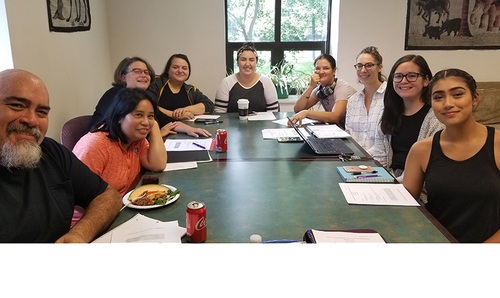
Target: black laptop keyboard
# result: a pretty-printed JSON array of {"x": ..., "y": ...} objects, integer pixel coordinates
[{"x": 329, "y": 146}]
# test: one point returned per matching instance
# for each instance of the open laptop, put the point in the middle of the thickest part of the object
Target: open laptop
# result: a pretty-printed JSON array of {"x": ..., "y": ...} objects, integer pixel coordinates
[{"x": 325, "y": 146}]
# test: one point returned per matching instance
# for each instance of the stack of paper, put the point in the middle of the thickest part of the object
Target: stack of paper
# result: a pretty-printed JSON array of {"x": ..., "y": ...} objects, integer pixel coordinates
[
  {"x": 143, "y": 229},
  {"x": 347, "y": 236},
  {"x": 327, "y": 131}
]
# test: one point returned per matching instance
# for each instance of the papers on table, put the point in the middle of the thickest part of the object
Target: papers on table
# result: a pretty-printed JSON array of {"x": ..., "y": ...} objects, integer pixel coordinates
[
  {"x": 188, "y": 144},
  {"x": 304, "y": 121},
  {"x": 143, "y": 229},
  {"x": 377, "y": 194},
  {"x": 175, "y": 166},
  {"x": 186, "y": 153},
  {"x": 346, "y": 237},
  {"x": 274, "y": 133},
  {"x": 262, "y": 116},
  {"x": 327, "y": 131}
]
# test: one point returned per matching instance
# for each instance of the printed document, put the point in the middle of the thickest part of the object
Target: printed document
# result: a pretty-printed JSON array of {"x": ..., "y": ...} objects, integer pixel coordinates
[
  {"x": 188, "y": 144},
  {"x": 142, "y": 229},
  {"x": 330, "y": 131},
  {"x": 262, "y": 116},
  {"x": 377, "y": 194},
  {"x": 346, "y": 237},
  {"x": 274, "y": 133}
]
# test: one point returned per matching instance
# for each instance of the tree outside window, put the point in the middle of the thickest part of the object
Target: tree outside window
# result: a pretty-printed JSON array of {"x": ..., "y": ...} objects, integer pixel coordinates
[{"x": 292, "y": 32}]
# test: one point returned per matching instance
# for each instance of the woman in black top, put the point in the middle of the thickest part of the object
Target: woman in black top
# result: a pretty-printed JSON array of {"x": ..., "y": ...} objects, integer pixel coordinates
[{"x": 460, "y": 165}]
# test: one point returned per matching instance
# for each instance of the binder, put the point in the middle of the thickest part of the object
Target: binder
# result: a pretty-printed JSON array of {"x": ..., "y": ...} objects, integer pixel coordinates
[
  {"x": 379, "y": 175},
  {"x": 187, "y": 156}
]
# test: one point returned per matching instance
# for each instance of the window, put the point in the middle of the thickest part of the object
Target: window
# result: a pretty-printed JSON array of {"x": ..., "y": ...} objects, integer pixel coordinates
[{"x": 296, "y": 31}]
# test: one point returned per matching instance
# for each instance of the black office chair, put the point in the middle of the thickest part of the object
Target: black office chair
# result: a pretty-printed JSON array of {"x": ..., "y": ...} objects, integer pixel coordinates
[{"x": 74, "y": 129}]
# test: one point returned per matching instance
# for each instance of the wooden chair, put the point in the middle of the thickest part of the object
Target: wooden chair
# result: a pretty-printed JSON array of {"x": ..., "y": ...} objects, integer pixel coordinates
[{"x": 74, "y": 129}]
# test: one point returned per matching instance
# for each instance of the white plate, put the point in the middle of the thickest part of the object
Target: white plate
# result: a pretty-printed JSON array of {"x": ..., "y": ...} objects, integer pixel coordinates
[{"x": 127, "y": 203}]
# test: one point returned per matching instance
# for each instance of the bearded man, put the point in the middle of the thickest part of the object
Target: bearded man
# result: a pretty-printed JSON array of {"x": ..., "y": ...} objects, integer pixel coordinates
[{"x": 41, "y": 180}]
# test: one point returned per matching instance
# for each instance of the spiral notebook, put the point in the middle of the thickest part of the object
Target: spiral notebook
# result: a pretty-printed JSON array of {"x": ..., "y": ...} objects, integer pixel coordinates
[{"x": 379, "y": 175}]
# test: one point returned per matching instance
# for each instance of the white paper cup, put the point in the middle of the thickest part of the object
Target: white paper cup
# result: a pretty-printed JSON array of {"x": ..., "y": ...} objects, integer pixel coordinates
[{"x": 243, "y": 108}]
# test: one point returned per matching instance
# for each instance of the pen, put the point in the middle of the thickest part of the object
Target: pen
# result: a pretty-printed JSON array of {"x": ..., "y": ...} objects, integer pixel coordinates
[
  {"x": 198, "y": 145},
  {"x": 359, "y": 173},
  {"x": 367, "y": 176},
  {"x": 213, "y": 122}
]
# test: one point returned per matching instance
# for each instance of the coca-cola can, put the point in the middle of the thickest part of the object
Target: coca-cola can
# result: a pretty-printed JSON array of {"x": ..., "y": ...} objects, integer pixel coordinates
[
  {"x": 221, "y": 140},
  {"x": 196, "y": 221}
]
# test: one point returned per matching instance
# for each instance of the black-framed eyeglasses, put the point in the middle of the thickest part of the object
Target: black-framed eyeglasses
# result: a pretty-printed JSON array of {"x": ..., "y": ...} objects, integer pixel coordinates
[
  {"x": 139, "y": 71},
  {"x": 368, "y": 66},
  {"x": 410, "y": 77}
]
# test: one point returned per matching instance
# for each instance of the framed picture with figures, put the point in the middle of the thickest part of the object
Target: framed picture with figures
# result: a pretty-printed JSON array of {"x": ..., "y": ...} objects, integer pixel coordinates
[
  {"x": 452, "y": 24},
  {"x": 68, "y": 15}
]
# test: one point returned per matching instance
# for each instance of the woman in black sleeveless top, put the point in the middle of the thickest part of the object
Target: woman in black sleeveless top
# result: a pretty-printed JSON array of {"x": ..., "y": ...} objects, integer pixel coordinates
[{"x": 460, "y": 165}]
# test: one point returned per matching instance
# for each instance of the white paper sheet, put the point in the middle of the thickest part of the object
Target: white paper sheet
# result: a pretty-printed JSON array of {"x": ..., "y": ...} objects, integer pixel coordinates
[
  {"x": 346, "y": 237},
  {"x": 175, "y": 166},
  {"x": 304, "y": 121},
  {"x": 328, "y": 131},
  {"x": 377, "y": 194},
  {"x": 262, "y": 116},
  {"x": 274, "y": 133},
  {"x": 144, "y": 229},
  {"x": 188, "y": 144}
]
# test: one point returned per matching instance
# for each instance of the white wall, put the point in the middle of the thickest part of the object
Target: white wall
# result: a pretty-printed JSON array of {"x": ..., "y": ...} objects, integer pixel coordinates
[
  {"x": 156, "y": 29},
  {"x": 78, "y": 67},
  {"x": 382, "y": 24},
  {"x": 75, "y": 66}
]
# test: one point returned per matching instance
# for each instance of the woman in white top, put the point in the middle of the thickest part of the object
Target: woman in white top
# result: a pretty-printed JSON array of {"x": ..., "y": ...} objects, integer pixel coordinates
[
  {"x": 247, "y": 83},
  {"x": 364, "y": 109}
]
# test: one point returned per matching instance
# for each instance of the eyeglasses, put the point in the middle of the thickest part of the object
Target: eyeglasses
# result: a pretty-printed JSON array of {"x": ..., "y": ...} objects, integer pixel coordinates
[
  {"x": 368, "y": 66},
  {"x": 139, "y": 71},
  {"x": 410, "y": 77}
]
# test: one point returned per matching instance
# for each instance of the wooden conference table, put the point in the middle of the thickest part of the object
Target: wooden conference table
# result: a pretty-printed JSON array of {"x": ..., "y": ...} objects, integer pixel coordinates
[{"x": 280, "y": 190}]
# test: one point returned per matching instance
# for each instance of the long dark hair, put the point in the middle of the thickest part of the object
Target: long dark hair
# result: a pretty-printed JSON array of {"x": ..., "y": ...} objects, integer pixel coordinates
[
  {"x": 393, "y": 103},
  {"x": 124, "y": 102},
  {"x": 169, "y": 64}
]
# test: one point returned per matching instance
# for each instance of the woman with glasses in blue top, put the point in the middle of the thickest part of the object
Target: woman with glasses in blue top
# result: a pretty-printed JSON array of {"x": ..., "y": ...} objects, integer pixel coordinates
[{"x": 407, "y": 115}]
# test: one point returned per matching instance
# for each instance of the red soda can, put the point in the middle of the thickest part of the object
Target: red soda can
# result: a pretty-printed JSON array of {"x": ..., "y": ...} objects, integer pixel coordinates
[
  {"x": 221, "y": 140},
  {"x": 196, "y": 221}
]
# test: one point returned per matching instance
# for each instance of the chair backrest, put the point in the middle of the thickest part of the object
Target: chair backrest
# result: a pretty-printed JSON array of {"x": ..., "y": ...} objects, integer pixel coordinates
[{"x": 74, "y": 129}]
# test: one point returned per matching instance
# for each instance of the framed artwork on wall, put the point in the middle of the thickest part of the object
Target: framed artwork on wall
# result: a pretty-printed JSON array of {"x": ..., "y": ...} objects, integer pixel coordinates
[
  {"x": 68, "y": 15},
  {"x": 452, "y": 24}
]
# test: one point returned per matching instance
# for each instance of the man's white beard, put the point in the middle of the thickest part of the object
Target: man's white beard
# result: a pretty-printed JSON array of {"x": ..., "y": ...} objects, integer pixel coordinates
[{"x": 26, "y": 154}]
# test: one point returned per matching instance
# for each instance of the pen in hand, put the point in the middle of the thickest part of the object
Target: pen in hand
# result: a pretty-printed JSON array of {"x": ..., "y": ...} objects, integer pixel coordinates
[{"x": 200, "y": 146}]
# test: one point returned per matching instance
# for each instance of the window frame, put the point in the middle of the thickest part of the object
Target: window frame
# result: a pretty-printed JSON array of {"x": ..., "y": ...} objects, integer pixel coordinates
[{"x": 277, "y": 47}]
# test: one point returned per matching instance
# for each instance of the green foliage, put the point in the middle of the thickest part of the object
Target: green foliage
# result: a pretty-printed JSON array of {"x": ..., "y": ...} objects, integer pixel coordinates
[
  {"x": 286, "y": 78},
  {"x": 254, "y": 20}
]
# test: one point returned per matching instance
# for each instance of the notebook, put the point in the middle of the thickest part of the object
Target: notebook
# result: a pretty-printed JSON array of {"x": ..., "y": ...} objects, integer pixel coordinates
[
  {"x": 190, "y": 155},
  {"x": 380, "y": 176},
  {"x": 325, "y": 146}
]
